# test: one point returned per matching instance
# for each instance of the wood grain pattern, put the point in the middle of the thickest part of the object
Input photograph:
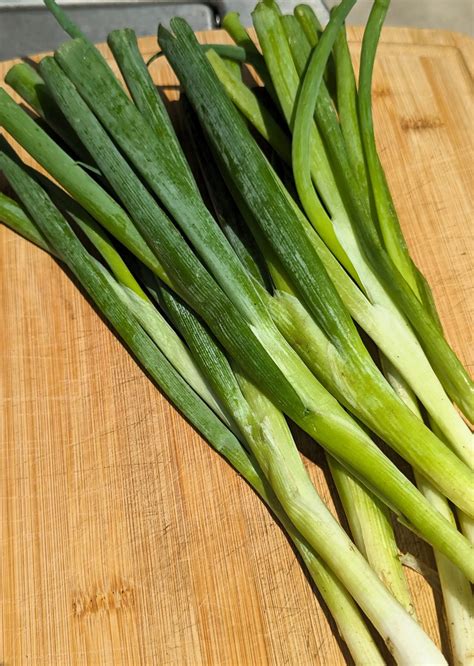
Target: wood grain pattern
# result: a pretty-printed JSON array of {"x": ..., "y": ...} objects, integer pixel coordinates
[{"x": 125, "y": 540}]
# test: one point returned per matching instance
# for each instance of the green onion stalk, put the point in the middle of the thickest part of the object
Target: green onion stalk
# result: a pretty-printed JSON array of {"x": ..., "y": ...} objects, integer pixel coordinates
[
  {"x": 287, "y": 81},
  {"x": 250, "y": 408},
  {"x": 29, "y": 85},
  {"x": 298, "y": 328},
  {"x": 369, "y": 520},
  {"x": 232, "y": 24},
  {"x": 455, "y": 588},
  {"x": 385, "y": 211},
  {"x": 228, "y": 303}
]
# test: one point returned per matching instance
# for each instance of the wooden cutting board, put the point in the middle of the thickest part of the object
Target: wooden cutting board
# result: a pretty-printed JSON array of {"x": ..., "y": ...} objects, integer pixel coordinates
[{"x": 125, "y": 539}]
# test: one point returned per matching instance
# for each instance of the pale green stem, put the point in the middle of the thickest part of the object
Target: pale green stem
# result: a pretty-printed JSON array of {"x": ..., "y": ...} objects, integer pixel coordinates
[
  {"x": 456, "y": 589},
  {"x": 302, "y": 503},
  {"x": 371, "y": 528}
]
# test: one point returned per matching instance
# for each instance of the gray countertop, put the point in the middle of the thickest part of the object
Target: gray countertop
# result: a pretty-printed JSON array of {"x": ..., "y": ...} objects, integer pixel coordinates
[
  {"x": 26, "y": 27},
  {"x": 457, "y": 15}
]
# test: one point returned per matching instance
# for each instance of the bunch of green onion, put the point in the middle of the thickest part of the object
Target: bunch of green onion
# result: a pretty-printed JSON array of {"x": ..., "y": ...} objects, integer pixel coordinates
[{"x": 237, "y": 284}]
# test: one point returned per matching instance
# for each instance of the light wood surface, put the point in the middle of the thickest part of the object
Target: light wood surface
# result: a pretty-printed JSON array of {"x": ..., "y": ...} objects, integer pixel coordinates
[{"x": 125, "y": 540}]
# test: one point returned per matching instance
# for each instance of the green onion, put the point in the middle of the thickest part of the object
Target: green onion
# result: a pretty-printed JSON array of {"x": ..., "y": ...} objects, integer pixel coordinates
[
  {"x": 165, "y": 168},
  {"x": 392, "y": 236},
  {"x": 252, "y": 107},
  {"x": 137, "y": 132},
  {"x": 297, "y": 349},
  {"x": 457, "y": 594},
  {"x": 145, "y": 210},
  {"x": 309, "y": 22},
  {"x": 456, "y": 590},
  {"x": 15, "y": 217},
  {"x": 371, "y": 528},
  {"x": 380, "y": 196},
  {"x": 27, "y": 83},
  {"x": 285, "y": 79},
  {"x": 231, "y": 23},
  {"x": 450, "y": 371},
  {"x": 302, "y": 398},
  {"x": 226, "y": 213},
  {"x": 238, "y": 340},
  {"x": 436, "y": 402},
  {"x": 347, "y": 111}
]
